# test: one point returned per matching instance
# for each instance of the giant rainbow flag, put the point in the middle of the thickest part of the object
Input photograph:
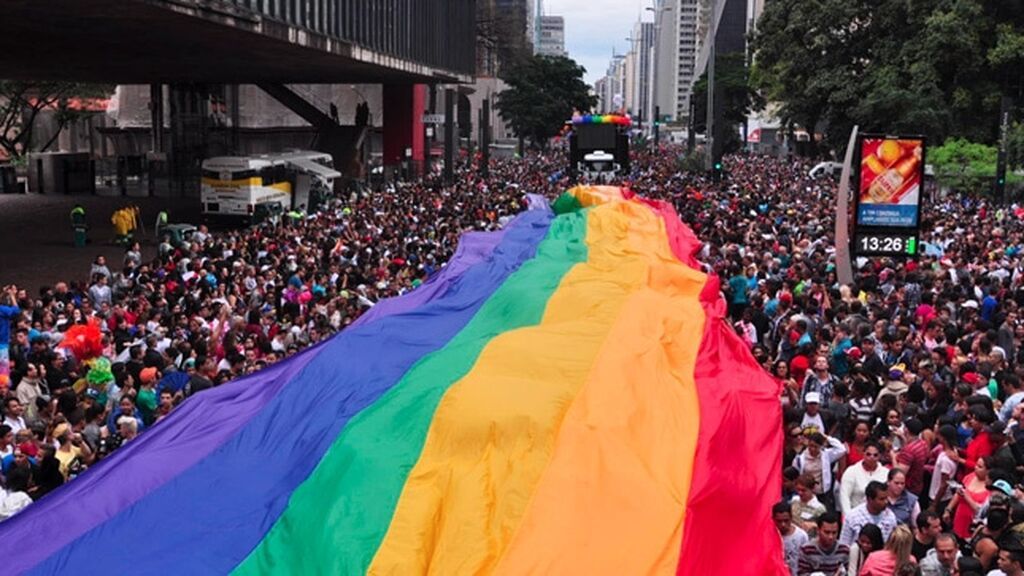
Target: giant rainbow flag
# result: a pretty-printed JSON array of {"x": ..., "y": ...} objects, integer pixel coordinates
[{"x": 564, "y": 398}]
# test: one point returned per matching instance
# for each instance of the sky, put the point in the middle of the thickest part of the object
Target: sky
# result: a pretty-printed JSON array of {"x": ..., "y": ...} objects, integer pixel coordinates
[{"x": 593, "y": 27}]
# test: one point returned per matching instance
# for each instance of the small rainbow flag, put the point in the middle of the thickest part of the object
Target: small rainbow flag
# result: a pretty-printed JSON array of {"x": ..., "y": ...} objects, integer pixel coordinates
[
  {"x": 564, "y": 398},
  {"x": 618, "y": 119}
]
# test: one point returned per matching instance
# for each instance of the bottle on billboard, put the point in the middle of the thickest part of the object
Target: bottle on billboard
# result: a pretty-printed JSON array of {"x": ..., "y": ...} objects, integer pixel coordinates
[{"x": 885, "y": 187}]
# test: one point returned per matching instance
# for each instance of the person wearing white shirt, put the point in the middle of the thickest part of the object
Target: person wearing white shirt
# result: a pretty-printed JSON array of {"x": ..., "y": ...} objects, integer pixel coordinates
[
  {"x": 857, "y": 477},
  {"x": 1014, "y": 396},
  {"x": 817, "y": 460},
  {"x": 12, "y": 415}
]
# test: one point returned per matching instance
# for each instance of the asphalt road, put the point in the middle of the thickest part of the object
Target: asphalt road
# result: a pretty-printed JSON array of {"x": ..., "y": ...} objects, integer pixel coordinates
[{"x": 37, "y": 241}]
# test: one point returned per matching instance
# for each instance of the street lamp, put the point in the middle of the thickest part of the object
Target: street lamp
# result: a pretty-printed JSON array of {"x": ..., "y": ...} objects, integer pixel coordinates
[{"x": 655, "y": 110}]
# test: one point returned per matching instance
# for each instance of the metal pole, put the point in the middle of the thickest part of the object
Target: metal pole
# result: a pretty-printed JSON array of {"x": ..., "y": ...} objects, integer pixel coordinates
[
  {"x": 485, "y": 140},
  {"x": 156, "y": 117},
  {"x": 691, "y": 127},
  {"x": 844, "y": 263},
  {"x": 709, "y": 129},
  {"x": 1004, "y": 132},
  {"x": 657, "y": 128},
  {"x": 449, "y": 135},
  {"x": 236, "y": 117}
]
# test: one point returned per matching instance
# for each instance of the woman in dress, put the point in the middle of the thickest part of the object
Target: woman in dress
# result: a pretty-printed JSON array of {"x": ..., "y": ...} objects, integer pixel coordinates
[{"x": 968, "y": 499}]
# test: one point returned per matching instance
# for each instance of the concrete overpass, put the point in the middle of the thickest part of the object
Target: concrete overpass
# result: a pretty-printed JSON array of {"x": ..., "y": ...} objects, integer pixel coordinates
[
  {"x": 200, "y": 46},
  {"x": 238, "y": 41}
]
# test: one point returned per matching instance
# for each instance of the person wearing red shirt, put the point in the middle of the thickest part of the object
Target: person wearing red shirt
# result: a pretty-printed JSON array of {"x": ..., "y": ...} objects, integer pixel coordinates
[
  {"x": 913, "y": 456},
  {"x": 980, "y": 445}
]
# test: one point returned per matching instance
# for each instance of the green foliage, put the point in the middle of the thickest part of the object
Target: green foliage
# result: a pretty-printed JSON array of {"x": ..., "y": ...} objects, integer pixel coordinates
[
  {"x": 22, "y": 102},
  {"x": 693, "y": 162},
  {"x": 934, "y": 67},
  {"x": 543, "y": 92},
  {"x": 739, "y": 99},
  {"x": 1015, "y": 146},
  {"x": 965, "y": 166}
]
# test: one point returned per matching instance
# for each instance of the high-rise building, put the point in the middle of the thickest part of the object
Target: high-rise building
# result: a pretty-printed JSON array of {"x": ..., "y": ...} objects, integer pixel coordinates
[
  {"x": 601, "y": 91},
  {"x": 639, "y": 98},
  {"x": 551, "y": 41},
  {"x": 514, "y": 21},
  {"x": 611, "y": 90},
  {"x": 675, "y": 50}
]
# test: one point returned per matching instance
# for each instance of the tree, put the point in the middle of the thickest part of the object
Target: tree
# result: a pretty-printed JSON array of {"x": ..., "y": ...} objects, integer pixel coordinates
[
  {"x": 739, "y": 98},
  {"x": 22, "y": 102},
  {"x": 933, "y": 67},
  {"x": 964, "y": 166},
  {"x": 543, "y": 92},
  {"x": 1015, "y": 146},
  {"x": 809, "y": 57}
]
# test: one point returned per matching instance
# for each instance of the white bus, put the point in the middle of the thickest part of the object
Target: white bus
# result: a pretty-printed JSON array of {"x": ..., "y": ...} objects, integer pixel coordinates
[{"x": 252, "y": 189}]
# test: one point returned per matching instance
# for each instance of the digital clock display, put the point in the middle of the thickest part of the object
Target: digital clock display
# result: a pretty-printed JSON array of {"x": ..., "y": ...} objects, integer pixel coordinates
[{"x": 882, "y": 244}]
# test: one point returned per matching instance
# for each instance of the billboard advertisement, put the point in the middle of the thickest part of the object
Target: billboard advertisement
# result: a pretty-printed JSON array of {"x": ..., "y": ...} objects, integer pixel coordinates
[{"x": 890, "y": 182}]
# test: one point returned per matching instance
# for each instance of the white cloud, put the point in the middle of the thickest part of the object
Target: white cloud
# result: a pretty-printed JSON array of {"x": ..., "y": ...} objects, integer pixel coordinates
[{"x": 593, "y": 27}]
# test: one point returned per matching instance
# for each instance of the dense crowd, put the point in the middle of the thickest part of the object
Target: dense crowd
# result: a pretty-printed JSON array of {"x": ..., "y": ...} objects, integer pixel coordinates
[{"x": 901, "y": 391}]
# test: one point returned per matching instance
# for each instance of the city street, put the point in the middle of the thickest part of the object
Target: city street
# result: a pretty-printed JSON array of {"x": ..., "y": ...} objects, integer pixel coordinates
[{"x": 36, "y": 233}]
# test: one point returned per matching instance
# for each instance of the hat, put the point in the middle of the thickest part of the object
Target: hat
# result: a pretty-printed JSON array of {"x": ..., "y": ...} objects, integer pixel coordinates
[
  {"x": 970, "y": 304},
  {"x": 971, "y": 378},
  {"x": 1004, "y": 486},
  {"x": 147, "y": 375},
  {"x": 897, "y": 371},
  {"x": 854, "y": 353},
  {"x": 29, "y": 449},
  {"x": 812, "y": 398}
]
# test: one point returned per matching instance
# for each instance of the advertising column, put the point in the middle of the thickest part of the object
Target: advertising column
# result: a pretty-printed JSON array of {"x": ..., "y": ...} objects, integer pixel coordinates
[{"x": 890, "y": 182}]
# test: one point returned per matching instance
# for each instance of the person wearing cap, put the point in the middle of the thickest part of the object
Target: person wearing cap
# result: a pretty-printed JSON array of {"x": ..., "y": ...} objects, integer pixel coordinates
[
  {"x": 813, "y": 419},
  {"x": 895, "y": 386},
  {"x": 857, "y": 477},
  {"x": 72, "y": 448},
  {"x": 145, "y": 399},
  {"x": 871, "y": 358}
]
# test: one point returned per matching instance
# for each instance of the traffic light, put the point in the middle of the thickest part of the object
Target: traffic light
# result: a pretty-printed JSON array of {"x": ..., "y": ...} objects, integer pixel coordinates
[{"x": 716, "y": 171}]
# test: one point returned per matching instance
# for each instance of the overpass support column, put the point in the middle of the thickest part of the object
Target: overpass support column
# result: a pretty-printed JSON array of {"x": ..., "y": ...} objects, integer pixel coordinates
[
  {"x": 156, "y": 115},
  {"x": 403, "y": 127}
]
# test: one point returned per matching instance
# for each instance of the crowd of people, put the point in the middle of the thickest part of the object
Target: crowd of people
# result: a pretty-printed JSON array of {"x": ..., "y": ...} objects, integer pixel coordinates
[
  {"x": 901, "y": 394},
  {"x": 901, "y": 391}
]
